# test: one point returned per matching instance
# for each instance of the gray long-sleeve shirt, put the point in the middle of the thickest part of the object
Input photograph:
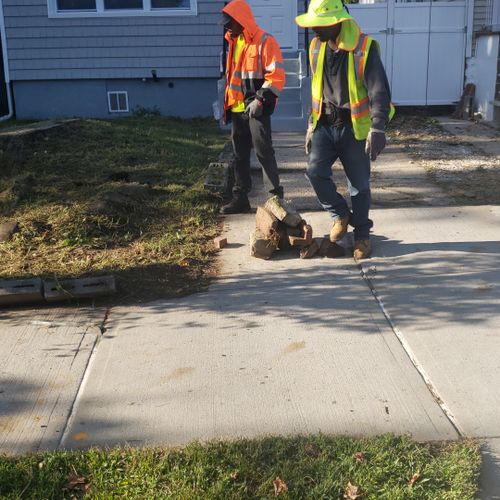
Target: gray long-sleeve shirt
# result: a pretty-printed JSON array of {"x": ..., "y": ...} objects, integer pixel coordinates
[{"x": 336, "y": 89}]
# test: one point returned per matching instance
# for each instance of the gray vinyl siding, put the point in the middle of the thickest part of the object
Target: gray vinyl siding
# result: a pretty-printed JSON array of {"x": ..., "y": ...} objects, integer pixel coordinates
[
  {"x": 43, "y": 48},
  {"x": 482, "y": 13}
]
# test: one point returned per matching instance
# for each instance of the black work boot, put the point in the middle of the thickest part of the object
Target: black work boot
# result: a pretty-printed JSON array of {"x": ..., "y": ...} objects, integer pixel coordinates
[
  {"x": 277, "y": 192},
  {"x": 238, "y": 205}
]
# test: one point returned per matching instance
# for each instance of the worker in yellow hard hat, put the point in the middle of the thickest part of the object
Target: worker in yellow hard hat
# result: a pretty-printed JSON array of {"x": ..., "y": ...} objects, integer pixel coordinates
[{"x": 351, "y": 106}]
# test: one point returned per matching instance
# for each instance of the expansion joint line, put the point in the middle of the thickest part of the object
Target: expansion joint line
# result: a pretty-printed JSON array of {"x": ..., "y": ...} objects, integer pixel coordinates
[
  {"x": 101, "y": 328},
  {"x": 423, "y": 374}
]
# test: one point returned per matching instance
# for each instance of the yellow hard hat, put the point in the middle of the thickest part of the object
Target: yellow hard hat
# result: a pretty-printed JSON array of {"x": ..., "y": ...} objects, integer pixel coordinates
[{"x": 323, "y": 13}]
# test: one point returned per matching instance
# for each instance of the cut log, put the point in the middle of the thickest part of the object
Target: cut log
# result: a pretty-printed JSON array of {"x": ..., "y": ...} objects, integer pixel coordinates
[
  {"x": 266, "y": 223},
  {"x": 310, "y": 251},
  {"x": 329, "y": 249},
  {"x": 283, "y": 211},
  {"x": 283, "y": 243},
  {"x": 304, "y": 240},
  {"x": 261, "y": 247},
  {"x": 464, "y": 108}
]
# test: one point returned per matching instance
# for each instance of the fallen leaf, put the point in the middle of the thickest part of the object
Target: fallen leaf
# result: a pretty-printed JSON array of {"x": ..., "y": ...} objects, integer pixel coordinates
[
  {"x": 76, "y": 483},
  {"x": 352, "y": 492},
  {"x": 311, "y": 450},
  {"x": 80, "y": 436},
  {"x": 279, "y": 486},
  {"x": 414, "y": 479},
  {"x": 233, "y": 475},
  {"x": 360, "y": 457}
]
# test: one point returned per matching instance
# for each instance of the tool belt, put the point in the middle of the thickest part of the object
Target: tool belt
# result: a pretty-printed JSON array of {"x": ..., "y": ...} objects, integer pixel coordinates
[{"x": 331, "y": 115}]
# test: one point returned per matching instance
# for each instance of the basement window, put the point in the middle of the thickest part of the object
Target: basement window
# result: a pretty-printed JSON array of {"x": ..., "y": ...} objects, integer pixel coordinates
[
  {"x": 121, "y": 8},
  {"x": 118, "y": 102}
]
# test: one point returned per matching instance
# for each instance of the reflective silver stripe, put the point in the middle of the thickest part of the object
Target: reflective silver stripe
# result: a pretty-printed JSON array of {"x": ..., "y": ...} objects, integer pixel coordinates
[
  {"x": 315, "y": 55},
  {"x": 235, "y": 87},
  {"x": 358, "y": 54},
  {"x": 237, "y": 74},
  {"x": 316, "y": 106},
  {"x": 250, "y": 74},
  {"x": 274, "y": 65},
  {"x": 259, "y": 61},
  {"x": 363, "y": 107},
  {"x": 274, "y": 90}
]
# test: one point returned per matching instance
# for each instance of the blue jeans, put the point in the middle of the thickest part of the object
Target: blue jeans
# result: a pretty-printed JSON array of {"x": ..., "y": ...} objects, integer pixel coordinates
[{"x": 329, "y": 143}]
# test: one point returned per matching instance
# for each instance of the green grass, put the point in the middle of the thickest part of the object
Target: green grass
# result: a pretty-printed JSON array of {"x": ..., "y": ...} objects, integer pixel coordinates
[
  {"x": 14, "y": 123},
  {"x": 315, "y": 467},
  {"x": 53, "y": 184}
]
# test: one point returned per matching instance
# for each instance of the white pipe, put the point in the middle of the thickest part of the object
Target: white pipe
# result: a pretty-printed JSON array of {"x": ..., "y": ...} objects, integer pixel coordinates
[{"x": 10, "y": 113}]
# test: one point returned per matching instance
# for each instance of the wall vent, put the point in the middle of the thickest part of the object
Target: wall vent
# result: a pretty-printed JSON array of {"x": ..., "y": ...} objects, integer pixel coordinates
[{"x": 118, "y": 102}]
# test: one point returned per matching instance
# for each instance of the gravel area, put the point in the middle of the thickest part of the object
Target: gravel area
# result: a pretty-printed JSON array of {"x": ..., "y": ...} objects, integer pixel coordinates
[{"x": 458, "y": 166}]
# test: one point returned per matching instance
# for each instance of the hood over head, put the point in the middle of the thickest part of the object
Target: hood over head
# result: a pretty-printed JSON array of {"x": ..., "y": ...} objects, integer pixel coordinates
[{"x": 241, "y": 12}]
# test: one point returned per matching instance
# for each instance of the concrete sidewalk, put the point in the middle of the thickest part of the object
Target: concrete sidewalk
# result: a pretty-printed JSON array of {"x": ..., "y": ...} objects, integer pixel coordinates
[{"x": 406, "y": 342}]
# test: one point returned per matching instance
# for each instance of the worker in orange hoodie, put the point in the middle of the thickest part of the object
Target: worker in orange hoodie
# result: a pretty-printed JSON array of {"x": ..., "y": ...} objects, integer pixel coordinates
[{"x": 255, "y": 76}]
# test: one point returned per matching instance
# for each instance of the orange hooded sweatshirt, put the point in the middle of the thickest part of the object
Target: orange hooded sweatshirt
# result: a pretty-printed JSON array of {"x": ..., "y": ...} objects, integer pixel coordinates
[{"x": 259, "y": 71}]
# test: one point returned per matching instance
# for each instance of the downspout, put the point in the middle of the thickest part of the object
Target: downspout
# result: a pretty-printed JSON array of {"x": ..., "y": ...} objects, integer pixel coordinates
[{"x": 10, "y": 107}]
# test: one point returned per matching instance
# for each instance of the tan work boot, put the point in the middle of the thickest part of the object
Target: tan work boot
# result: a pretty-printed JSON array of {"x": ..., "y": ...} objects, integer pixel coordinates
[
  {"x": 339, "y": 228},
  {"x": 362, "y": 249}
]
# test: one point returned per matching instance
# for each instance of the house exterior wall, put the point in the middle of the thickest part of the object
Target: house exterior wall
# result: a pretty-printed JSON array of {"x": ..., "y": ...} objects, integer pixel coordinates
[
  {"x": 88, "y": 98},
  {"x": 43, "y": 48}
]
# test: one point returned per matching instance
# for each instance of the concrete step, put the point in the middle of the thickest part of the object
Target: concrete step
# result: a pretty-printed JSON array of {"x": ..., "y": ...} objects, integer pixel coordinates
[
  {"x": 289, "y": 124},
  {"x": 290, "y": 95},
  {"x": 293, "y": 80},
  {"x": 292, "y": 65},
  {"x": 289, "y": 109}
]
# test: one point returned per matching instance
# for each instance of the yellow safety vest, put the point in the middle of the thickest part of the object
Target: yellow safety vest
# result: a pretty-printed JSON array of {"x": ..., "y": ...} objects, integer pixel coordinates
[
  {"x": 239, "y": 107},
  {"x": 357, "y": 44}
]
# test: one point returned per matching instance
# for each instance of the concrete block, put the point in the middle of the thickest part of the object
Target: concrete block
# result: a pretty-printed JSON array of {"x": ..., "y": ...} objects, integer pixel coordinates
[
  {"x": 21, "y": 291},
  {"x": 217, "y": 177},
  {"x": 79, "y": 288},
  {"x": 220, "y": 242}
]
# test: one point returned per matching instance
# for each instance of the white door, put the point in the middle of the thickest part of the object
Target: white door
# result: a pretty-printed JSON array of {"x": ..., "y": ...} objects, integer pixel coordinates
[
  {"x": 277, "y": 17},
  {"x": 423, "y": 46}
]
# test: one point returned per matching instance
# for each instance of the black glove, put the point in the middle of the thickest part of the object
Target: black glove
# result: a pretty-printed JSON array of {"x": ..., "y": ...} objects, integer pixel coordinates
[{"x": 375, "y": 143}]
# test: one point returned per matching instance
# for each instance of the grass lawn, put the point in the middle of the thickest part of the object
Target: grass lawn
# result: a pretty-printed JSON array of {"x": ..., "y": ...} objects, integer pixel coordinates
[
  {"x": 14, "y": 123},
  {"x": 122, "y": 197},
  {"x": 315, "y": 467}
]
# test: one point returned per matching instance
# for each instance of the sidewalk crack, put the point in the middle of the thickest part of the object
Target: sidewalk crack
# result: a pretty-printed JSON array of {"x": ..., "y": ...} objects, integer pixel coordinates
[
  {"x": 69, "y": 420},
  {"x": 413, "y": 359}
]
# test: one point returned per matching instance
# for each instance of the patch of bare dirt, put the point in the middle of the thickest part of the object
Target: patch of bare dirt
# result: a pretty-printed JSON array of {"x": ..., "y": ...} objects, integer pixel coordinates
[{"x": 462, "y": 170}]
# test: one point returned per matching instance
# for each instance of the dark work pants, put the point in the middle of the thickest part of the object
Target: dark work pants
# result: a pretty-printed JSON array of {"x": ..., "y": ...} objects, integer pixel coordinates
[
  {"x": 247, "y": 133},
  {"x": 332, "y": 142}
]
